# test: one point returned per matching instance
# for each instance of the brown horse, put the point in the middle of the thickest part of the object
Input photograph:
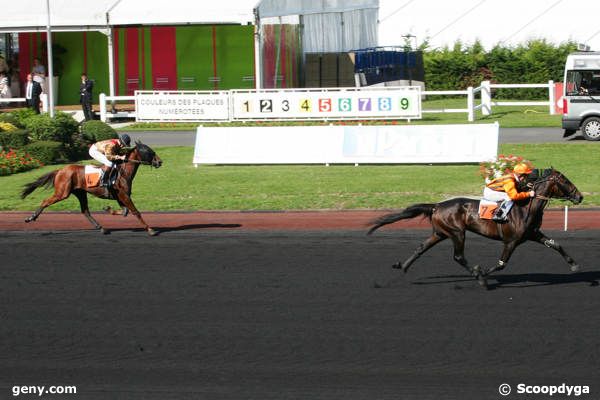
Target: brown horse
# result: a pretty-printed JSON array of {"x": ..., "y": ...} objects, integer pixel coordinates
[
  {"x": 452, "y": 218},
  {"x": 71, "y": 179}
]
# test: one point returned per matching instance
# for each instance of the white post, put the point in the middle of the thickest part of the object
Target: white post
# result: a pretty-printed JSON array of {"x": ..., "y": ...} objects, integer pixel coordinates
[
  {"x": 257, "y": 52},
  {"x": 551, "y": 96},
  {"x": 486, "y": 98},
  {"x": 44, "y": 100},
  {"x": 566, "y": 217},
  {"x": 50, "y": 63},
  {"x": 102, "y": 100},
  {"x": 470, "y": 104},
  {"x": 111, "y": 64}
]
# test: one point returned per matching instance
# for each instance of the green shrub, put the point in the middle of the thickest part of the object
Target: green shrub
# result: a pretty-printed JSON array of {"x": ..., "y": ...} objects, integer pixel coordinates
[
  {"x": 95, "y": 131},
  {"x": 46, "y": 151},
  {"x": 18, "y": 117},
  {"x": 10, "y": 119},
  {"x": 14, "y": 139},
  {"x": 60, "y": 128}
]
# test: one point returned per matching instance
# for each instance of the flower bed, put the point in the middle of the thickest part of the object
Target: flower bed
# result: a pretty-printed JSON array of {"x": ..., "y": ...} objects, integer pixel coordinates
[
  {"x": 502, "y": 165},
  {"x": 14, "y": 161}
]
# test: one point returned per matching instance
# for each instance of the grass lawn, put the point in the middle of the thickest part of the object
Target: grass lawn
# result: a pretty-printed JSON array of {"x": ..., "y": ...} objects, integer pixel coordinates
[
  {"x": 180, "y": 186},
  {"x": 507, "y": 116}
]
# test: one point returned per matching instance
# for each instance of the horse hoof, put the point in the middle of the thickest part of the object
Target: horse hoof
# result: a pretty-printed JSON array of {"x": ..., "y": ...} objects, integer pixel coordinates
[
  {"x": 575, "y": 267},
  {"x": 397, "y": 266},
  {"x": 104, "y": 231},
  {"x": 152, "y": 232},
  {"x": 482, "y": 281},
  {"x": 28, "y": 220}
]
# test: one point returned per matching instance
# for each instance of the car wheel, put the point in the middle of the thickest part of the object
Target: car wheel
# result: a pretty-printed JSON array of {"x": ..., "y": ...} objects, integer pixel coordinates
[{"x": 591, "y": 128}]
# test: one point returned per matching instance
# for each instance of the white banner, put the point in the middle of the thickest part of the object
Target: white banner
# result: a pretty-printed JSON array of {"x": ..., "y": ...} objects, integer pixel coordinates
[
  {"x": 387, "y": 144},
  {"x": 166, "y": 106},
  {"x": 392, "y": 103}
]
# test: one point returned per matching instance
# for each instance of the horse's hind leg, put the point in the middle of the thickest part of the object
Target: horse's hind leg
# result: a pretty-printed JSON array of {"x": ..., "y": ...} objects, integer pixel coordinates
[
  {"x": 59, "y": 195},
  {"x": 434, "y": 239},
  {"x": 83, "y": 203},
  {"x": 552, "y": 244},
  {"x": 459, "y": 252}
]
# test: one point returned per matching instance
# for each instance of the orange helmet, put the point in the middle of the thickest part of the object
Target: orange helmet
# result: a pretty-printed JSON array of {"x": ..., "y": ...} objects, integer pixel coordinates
[{"x": 522, "y": 168}]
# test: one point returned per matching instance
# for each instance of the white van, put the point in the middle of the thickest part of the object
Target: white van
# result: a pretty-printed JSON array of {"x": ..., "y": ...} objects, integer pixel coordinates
[{"x": 581, "y": 95}]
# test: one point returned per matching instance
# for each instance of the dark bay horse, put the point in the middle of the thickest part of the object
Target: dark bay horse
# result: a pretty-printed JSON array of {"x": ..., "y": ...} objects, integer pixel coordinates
[
  {"x": 450, "y": 219},
  {"x": 71, "y": 179}
]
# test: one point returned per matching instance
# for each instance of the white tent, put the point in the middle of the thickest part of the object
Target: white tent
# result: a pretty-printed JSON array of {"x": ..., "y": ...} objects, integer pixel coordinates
[
  {"x": 102, "y": 15},
  {"x": 348, "y": 24},
  {"x": 31, "y": 15}
]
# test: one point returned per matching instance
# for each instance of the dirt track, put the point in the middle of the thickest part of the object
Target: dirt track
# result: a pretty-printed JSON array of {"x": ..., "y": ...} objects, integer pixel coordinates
[
  {"x": 254, "y": 314},
  {"x": 578, "y": 219}
]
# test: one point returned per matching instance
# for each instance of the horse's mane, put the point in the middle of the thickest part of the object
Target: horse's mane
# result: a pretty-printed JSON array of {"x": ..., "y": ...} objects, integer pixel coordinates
[
  {"x": 534, "y": 176},
  {"x": 146, "y": 153}
]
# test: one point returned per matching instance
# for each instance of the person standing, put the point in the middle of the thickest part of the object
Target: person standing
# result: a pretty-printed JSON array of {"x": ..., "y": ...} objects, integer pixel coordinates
[
  {"x": 5, "y": 92},
  {"x": 33, "y": 90},
  {"x": 85, "y": 96}
]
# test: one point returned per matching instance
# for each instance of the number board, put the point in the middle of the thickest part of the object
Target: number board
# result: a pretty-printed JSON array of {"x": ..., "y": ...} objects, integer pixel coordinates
[{"x": 393, "y": 103}]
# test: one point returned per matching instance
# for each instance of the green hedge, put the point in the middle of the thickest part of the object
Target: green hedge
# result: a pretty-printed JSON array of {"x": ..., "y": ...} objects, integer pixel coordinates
[
  {"x": 14, "y": 139},
  {"x": 47, "y": 151},
  {"x": 95, "y": 131},
  {"x": 536, "y": 61},
  {"x": 61, "y": 128}
]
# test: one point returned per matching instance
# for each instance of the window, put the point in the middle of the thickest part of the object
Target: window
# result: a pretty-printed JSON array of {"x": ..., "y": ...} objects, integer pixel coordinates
[{"x": 583, "y": 83}]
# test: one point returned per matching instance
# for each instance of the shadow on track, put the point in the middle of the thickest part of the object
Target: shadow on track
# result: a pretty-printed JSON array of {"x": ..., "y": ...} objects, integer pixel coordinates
[
  {"x": 521, "y": 280},
  {"x": 163, "y": 229}
]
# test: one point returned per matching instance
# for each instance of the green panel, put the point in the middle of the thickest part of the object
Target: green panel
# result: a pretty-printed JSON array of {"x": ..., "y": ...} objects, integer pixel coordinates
[
  {"x": 72, "y": 60},
  {"x": 122, "y": 52},
  {"x": 194, "y": 57},
  {"x": 235, "y": 56},
  {"x": 97, "y": 62},
  {"x": 147, "y": 58}
]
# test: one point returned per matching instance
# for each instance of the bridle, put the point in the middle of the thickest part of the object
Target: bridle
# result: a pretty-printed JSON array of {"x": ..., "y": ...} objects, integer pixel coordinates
[{"x": 552, "y": 178}]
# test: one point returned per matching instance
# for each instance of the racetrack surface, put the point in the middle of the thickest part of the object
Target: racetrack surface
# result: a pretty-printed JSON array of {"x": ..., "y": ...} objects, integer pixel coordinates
[{"x": 256, "y": 314}]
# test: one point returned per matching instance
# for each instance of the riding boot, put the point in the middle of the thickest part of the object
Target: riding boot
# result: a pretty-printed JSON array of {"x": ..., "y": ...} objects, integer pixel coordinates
[
  {"x": 501, "y": 213},
  {"x": 106, "y": 176}
]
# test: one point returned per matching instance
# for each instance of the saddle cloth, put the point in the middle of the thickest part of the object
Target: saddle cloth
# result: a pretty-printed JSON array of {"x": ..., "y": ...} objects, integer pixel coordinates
[
  {"x": 487, "y": 208},
  {"x": 93, "y": 175}
]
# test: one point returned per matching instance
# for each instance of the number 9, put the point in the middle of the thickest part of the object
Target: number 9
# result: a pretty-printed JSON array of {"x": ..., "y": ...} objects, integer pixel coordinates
[{"x": 404, "y": 103}]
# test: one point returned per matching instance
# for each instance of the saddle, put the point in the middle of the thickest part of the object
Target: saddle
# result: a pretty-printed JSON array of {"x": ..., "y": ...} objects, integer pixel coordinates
[
  {"x": 487, "y": 208},
  {"x": 93, "y": 176}
]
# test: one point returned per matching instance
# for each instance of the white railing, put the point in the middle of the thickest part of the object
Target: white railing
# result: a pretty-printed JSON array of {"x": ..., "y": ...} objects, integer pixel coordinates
[
  {"x": 43, "y": 99},
  {"x": 106, "y": 115},
  {"x": 486, "y": 102},
  {"x": 484, "y": 90},
  {"x": 486, "y": 96}
]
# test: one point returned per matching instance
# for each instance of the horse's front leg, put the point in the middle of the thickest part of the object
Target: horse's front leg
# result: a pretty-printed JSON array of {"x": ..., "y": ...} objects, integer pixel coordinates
[
  {"x": 509, "y": 248},
  {"x": 83, "y": 203},
  {"x": 552, "y": 244},
  {"x": 125, "y": 200}
]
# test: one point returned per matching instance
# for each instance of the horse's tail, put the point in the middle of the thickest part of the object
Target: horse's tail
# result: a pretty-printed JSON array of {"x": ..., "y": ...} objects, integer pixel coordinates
[
  {"x": 44, "y": 180},
  {"x": 410, "y": 212}
]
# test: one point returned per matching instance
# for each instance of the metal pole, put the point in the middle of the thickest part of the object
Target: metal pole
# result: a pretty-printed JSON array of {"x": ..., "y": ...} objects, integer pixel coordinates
[
  {"x": 50, "y": 76},
  {"x": 111, "y": 66},
  {"x": 257, "y": 51}
]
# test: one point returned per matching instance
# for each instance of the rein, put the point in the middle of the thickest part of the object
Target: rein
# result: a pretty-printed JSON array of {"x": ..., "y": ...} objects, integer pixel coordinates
[{"x": 546, "y": 198}]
